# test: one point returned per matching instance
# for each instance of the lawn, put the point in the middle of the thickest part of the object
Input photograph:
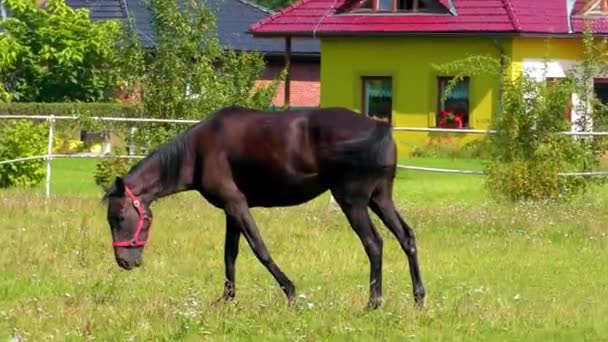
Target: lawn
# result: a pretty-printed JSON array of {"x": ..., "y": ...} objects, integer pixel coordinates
[{"x": 493, "y": 271}]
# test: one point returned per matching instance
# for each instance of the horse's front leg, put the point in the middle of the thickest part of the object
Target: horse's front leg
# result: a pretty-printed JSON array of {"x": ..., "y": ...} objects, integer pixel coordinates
[
  {"x": 236, "y": 209},
  {"x": 231, "y": 251}
]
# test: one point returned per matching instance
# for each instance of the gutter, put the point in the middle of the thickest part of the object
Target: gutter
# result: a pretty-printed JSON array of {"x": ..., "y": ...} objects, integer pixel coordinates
[{"x": 569, "y": 9}]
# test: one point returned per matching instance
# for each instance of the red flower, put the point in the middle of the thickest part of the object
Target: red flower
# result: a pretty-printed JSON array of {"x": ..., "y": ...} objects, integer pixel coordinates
[{"x": 448, "y": 116}]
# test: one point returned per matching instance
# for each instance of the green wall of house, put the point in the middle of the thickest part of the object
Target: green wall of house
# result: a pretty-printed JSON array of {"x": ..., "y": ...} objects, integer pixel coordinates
[{"x": 409, "y": 62}]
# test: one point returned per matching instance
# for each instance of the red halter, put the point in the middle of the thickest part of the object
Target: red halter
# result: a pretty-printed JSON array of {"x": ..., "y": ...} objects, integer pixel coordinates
[{"x": 135, "y": 241}]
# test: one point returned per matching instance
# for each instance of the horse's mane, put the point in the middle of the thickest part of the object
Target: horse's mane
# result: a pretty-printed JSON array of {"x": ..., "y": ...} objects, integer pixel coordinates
[{"x": 171, "y": 157}]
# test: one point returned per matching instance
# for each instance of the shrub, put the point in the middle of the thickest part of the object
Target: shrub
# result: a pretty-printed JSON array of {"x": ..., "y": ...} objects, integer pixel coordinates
[
  {"x": 22, "y": 139},
  {"x": 444, "y": 147},
  {"x": 528, "y": 153},
  {"x": 110, "y": 168}
]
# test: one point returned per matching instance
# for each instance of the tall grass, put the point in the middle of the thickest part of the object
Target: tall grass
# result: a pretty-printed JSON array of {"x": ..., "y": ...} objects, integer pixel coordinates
[{"x": 492, "y": 271}]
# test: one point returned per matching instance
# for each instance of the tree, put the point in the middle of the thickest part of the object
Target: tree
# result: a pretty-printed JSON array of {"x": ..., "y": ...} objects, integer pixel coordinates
[
  {"x": 55, "y": 53},
  {"x": 188, "y": 74},
  {"x": 528, "y": 151}
]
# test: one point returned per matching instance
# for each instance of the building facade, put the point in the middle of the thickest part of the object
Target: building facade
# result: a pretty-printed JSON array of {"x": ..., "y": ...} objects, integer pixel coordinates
[{"x": 378, "y": 56}]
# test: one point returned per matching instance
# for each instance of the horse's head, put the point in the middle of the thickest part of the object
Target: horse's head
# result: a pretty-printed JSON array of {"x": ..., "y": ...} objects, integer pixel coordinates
[{"x": 130, "y": 222}]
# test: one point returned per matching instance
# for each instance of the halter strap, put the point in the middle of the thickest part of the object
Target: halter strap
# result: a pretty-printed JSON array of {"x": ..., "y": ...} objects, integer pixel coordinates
[{"x": 135, "y": 241}]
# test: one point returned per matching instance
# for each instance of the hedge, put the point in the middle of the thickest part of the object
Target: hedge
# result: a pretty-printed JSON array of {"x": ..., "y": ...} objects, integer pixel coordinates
[{"x": 72, "y": 108}]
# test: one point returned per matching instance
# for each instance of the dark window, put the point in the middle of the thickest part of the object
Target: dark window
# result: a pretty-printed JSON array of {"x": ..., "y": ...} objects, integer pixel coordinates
[
  {"x": 453, "y": 111},
  {"x": 401, "y": 6},
  {"x": 600, "y": 87},
  {"x": 378, "y": 98}
]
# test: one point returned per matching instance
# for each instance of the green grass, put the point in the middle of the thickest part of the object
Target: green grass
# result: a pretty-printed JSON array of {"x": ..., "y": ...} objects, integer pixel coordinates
[{"x": 492, "y": 271}]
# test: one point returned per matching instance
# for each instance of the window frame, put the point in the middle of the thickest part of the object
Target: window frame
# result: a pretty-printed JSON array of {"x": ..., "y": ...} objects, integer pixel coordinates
[
  {"x": 364, "y": 97},
  {"x": 440, "y": 79}
]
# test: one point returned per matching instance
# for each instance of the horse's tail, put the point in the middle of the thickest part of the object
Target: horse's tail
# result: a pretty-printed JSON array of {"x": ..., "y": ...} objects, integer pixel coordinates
[{"x": 375, "y": 151}]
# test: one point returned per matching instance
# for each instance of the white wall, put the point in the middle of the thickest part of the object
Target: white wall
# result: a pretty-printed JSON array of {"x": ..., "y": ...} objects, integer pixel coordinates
[{"x": 541, "y": 69}]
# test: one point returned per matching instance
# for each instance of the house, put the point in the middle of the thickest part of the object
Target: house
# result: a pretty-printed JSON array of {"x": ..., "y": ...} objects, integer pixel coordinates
[
  {"x": 378, "y": 55},
  {"x": 233, "y": 18}
]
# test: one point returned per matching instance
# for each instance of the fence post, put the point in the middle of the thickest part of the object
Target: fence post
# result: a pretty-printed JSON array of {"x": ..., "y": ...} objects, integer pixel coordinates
[
  {"x": 132, "y": 146},
  {"x": 49, "y": 153}
]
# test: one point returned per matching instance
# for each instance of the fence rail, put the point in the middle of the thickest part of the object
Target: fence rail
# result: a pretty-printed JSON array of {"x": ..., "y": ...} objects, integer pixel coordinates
[{"x": 51, "y": 119}]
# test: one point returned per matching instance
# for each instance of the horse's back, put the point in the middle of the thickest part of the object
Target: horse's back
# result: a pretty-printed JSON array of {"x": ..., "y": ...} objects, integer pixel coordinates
[{"x": 283, "y": 158}]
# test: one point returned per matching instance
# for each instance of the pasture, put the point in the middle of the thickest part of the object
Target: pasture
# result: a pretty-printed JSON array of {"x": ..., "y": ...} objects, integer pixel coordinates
[{"x": 493, "y": 271}]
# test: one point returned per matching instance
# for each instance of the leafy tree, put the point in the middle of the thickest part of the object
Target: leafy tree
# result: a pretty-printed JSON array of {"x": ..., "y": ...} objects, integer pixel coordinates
[
  {"x": 56, "y": 53},
  {"x": 188, "y": 74},
  {"x": 528, "y": 153}
]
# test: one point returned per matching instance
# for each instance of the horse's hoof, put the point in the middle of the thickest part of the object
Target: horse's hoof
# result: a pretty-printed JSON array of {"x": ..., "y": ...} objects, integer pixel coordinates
[
  {"x": 222, "y": 300},
  {"x": 419, "y": 303},
  {"x": 374, "y": 303}
]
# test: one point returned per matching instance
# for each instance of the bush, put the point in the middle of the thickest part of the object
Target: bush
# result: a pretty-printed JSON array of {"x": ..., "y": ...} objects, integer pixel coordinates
[
  {"x": 22, "y": 139},
  {"x": 444, "y": 147},
  {"x": 110, "y": 168},
  {"x": 528, "y": 153}
]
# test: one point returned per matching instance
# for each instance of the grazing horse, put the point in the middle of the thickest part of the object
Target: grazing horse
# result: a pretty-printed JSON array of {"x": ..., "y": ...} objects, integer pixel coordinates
[{"x": 240, "y": 158}]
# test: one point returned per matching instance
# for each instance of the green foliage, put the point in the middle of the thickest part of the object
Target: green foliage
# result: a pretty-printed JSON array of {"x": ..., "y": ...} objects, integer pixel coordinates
[
  {"x": 527, "y": 153},
  {"x": 71, "y": 108},
  {"x": 22, "y": 139},
  {"x": 188, "y": 75},
  {"x": 56, "y": 53},
  {"x": 110, "y": 168},
  {"x": 444, "y": 146}
]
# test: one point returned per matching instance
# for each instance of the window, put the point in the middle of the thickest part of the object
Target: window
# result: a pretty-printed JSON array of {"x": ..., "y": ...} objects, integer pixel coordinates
[
  {"x": 453, "y": 111},
  {"x": 398, "y": 6},
  {"x": 568, "y": 110},
  {"x": 600, "y": 87},
  {"x": 378, "y": 98}
]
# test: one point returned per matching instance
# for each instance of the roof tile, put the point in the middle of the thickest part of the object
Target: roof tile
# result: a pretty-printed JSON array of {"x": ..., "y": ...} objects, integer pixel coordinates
[{"x": 308, "y": 17}]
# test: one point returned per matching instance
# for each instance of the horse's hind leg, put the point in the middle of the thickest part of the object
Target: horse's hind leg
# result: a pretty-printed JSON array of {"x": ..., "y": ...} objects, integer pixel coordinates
[
  {"x": 354, "y": 206},
  {"x": 382, "y": 205}
]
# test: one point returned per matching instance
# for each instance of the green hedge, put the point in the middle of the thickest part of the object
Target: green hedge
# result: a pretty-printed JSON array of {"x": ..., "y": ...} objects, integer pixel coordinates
[{"x": 73, "y": 108}]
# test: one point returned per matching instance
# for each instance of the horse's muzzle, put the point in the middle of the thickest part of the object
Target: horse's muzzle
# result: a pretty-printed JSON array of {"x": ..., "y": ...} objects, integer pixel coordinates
[{"x": 128, "y": 265}]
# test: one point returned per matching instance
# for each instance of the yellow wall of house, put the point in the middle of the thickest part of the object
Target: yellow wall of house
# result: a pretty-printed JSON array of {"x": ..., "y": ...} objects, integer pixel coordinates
[
  {"x": 409, "y": 61},
  {"x": 544, "y": 48}
]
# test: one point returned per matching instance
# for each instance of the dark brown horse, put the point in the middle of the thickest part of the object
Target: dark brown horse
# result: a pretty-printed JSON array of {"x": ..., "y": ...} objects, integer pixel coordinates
[{"x": 240, "y": 158}]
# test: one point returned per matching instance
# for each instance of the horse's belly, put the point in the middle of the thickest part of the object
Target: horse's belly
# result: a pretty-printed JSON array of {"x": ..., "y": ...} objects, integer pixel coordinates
[{"x": 278, "y": 191}]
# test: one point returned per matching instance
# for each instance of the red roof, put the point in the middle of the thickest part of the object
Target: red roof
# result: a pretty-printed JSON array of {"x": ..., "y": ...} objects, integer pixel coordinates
[{"x": 320, "y": 17}]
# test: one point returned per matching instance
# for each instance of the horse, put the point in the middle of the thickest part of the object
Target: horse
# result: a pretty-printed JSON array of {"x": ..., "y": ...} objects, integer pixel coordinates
[{"x": 240, "y": 158}]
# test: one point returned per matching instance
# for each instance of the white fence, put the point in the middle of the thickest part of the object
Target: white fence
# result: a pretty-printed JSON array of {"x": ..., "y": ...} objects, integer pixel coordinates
[{"x": 51, "y": 119}]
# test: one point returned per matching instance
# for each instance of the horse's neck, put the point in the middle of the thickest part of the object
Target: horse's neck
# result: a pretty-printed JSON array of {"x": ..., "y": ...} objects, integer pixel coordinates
[{"x": 147, "y": 183}]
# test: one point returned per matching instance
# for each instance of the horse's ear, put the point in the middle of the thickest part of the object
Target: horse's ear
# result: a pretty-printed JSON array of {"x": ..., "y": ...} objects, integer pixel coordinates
[{"x": 119, "y": 187}]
